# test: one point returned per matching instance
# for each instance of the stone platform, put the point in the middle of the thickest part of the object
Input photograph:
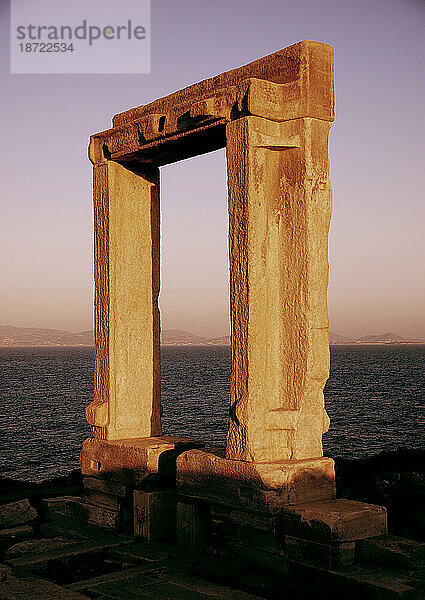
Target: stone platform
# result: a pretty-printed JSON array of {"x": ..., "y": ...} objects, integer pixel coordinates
[
  {"x": 129, "y": 485},
  {"x": 160, "y": 511},
  {"x": 259, "y": 486},
  {"x": 286, "y": 509},
  {"x": 67, "y": 561}
]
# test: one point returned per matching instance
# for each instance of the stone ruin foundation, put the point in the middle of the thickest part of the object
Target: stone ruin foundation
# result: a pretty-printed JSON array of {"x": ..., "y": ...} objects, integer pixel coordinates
[{"x": 269, "y": 497}]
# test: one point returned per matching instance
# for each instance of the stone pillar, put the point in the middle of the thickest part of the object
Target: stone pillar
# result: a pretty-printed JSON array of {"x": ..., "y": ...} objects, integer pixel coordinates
[
  {"x": 127, "y": 348},
  {"x": 279, "y": 215},
  {"x": 127, "y": 451}
]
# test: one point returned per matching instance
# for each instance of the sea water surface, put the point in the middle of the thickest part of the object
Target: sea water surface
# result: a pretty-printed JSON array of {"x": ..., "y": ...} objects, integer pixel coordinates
[{"x": 374, "y": 397}]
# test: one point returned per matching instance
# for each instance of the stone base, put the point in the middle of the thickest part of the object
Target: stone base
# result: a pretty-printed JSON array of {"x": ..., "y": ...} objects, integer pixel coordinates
[
  {"x": 154, "y": 515},
  {"x": 263, "y": 487},
  {"x": 129, "y": 485},
  {"x": 131, "y": 461},
  {"x": 335, "y": 520},
  {"x": 322, "y": 534},
  {"x": 192, "y": 522},
  {"x": 273, "y": 514},
  {"x": 91, "y": 514}
]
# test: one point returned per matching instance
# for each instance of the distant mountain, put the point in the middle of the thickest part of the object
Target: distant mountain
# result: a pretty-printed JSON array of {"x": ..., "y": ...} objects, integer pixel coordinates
[
  {"x": 221, "y": 341},
  {"x": 179, "y": 337},
  {"x": 340, "y": 339},
  {"x": 34, "y": 336},
  {"x": 383, "y": 338}
]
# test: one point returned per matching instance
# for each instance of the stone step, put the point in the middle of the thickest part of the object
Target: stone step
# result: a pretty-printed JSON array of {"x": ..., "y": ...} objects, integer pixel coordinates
[
  {"x": 102, "y": 499},
  {"x": 117, "y": 576},
  {"x": 51, "y": 530},
  {"x": 67, "y": 527},
  {"x": 16, "y": 513},
  {"x": 207, "y": 588},
  {"x": 107, "y": 487},
  {"x": 32, "y": 588},
  {"x": 82, "y": 513},
  {"x": 130, "y": 577},
  {"x": 376, "y": 584},
  {"x": 8, "y": 537},
  {"x": 392, "y": 551},
  {"x": 145, "y": 587},
  {"x": 414, "y": 578},
  {"x": 39, "y": 563},
  {"x": 36, "y": 547},
  {"x": 338, "y": 520},
  {"x": 51, "y": 506},
  {"x": 350, "y": 582},
  {"x": 140, "y": 588},
  {"x": 146, "y": 552}
]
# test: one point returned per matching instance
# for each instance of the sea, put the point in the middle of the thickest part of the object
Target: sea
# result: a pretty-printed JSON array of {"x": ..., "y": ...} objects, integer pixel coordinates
[{"x": 374, "y": 397}]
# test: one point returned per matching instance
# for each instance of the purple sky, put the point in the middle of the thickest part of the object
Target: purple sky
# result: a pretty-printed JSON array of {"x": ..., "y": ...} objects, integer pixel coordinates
[{"x": 376, "y": 151}]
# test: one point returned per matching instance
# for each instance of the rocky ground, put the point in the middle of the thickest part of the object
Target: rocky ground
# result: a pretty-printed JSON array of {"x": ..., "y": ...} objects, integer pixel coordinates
[{"x": 45, "y": 555}]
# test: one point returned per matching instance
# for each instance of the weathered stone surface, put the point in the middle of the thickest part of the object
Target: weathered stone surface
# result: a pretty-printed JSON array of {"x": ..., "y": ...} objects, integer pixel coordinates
[
  {"x": 131, "y": 461},
  {"x": 155, "y": 515},
  {"x": 245, "y": 518},
  {"x": 279, "y": 215},
  {"x": 334, "y": 520},
  {"x": 305, "y": 580},
  {"x": 5, "y": 572},
  {"x": 37, "y": 546},
  {"x": 127, "y": 386},
  {"x": 100, "y": 499},
  {"x": 16, "y": 513},
  {"x": 221, "y": 530},
  {"x": 392, "y": 551},
  {"x": 190, "y": 584},
  {"x": 94, "y": 584},
  {"x": 264, "y": 487},
  {"x": 107, "y": 487},
  {"x": 51, "y": 506},
  {"x": 64, "y": 526},
  {"x": 31, "y": 588},
  {"x": 417, "y": 581},
  {"x": 354, "y": 582},
  {"x": 294, "y": 82},
  {"x": 143, "y": 587},
  {"x": 95, "y": 515},
  {"x": 55, "y": 561},
  {"x": 191, "y": 526},
  {"x": 327, "y": 556},
  {"x": 151, "y": 552},
  {"x": 14, "y": 534}
]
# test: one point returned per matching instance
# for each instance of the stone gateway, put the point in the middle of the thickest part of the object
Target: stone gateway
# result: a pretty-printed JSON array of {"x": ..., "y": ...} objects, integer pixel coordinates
[{"x": 270, "y": 494}]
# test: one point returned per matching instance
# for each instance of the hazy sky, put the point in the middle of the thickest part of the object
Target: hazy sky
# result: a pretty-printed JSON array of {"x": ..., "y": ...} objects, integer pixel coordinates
[{"x": 376, "y": 152}]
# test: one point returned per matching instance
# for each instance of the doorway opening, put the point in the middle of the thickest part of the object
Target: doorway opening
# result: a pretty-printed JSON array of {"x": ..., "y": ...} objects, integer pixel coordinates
[{"x": 194, "y": 298}]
